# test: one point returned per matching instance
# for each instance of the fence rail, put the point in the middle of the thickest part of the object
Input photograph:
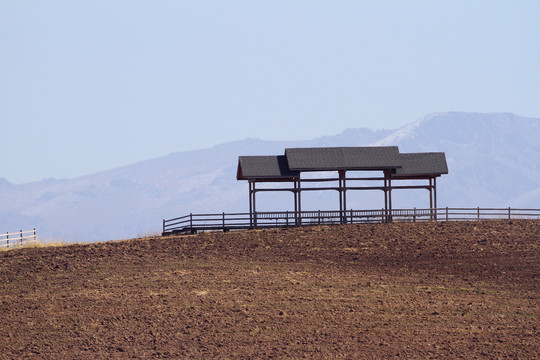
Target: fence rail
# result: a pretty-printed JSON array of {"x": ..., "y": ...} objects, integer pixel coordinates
[
  {"x": 18, "y": 239},
  {"x": 237, "y": 221}
]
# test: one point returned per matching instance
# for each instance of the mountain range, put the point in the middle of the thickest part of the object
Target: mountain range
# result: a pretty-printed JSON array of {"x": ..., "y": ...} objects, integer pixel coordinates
[{"x": 493, "y": 161}]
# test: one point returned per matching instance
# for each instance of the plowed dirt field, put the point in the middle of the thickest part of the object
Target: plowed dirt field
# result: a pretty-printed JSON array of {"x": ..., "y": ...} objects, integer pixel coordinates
[{"x": 432, "y": 290}]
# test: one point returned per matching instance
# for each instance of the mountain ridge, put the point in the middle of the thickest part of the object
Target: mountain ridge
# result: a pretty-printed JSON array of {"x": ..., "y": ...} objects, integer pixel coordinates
[{"x": 492, "y": 159}]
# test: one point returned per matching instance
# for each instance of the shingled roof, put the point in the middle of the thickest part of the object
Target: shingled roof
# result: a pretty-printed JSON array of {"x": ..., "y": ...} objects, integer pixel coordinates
[
  {"x": 289, "y": 166},
  {"x": 422, "y": 164},
  {"x": 343, "y": 158},
  {"x": 264, "y": 167}
]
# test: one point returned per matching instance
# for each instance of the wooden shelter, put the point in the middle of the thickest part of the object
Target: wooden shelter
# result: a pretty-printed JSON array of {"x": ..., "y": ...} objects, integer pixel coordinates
[{"x": 392, "y": 165}]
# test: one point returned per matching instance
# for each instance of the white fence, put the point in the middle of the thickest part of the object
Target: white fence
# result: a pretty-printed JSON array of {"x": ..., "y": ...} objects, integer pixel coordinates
[{"x": 18, "y": 239}]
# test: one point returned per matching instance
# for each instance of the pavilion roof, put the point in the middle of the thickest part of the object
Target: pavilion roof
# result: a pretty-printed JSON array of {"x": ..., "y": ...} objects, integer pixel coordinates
[
  {"x": 343, "y": 158},
  {"x": 422, "y": 164},
  {"x": 296, "y": 160},
  {"x": 273, "y": 167}
]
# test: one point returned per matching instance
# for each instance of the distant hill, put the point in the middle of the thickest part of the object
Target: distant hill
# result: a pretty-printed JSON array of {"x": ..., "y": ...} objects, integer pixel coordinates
[{"x": 493, "y": 160}]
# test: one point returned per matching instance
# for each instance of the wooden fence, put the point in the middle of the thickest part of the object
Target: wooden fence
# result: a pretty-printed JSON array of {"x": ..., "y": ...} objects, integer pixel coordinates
[
  {"x": 18, "y": 239},
  {"x": 237, "y": 221}
]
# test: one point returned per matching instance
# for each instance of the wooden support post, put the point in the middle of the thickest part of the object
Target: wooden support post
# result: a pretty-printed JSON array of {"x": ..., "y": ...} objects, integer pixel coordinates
[
  {"x": 295, "y": 193},
  {"x": 254, "y": 205},
  {"x": 447, "y": 213},
  {"x": 7, "y": 238},
  {"x": 430, "y": 200},
  {"x": 21, "y": 241},
  {"x": 385, "y": 196},
  {"x": 299, "y": 202},
  {"x": 390, "y": 196},
  {"x": 435, "y": 196},
  {"x": 340, "y": 191},
  {"x": 250, "y": 205},
  {"x": 344, "y": 174},
  {"x": 509, "y": 216},
  {"x": 435, "y": 191}
]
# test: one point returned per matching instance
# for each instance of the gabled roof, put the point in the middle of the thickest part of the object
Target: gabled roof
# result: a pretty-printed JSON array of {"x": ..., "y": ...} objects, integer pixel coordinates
[
  {"x": 289, "y": 166},
  {"x": 422, "y": 164},
  {"x": 343, "y": 158},
  {"x": 264, "y": 167}
]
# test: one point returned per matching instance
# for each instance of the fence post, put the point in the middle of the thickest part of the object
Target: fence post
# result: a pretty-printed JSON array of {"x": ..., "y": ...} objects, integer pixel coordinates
[
  {"x": 191, "y": 220},
  {"x": 319, "y": 217},
  {"x": 414, "y": 214},
  {"x": 478, "y": 212},
  {"x": 351, "y": 217},
  {"x": 35, "y": 236},
  {"x": 447, "y": 213},
  {"x": 509, "y": 216},
  {"x": 287, "y": 217},
  {"x": 7, "y": 238},
  {"x": 223, "y": 220},
  {"x": 20, "y": 243}
]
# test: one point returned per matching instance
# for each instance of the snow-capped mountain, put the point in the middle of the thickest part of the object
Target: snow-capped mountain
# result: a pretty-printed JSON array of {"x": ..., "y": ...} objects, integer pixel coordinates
[{"x": 493, "y": 160}]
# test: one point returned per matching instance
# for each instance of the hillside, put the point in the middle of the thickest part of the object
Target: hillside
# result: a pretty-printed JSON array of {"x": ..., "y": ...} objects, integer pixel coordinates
[
  {"x": 424, "y": 290},
  {"x": 492, "y": 161}
]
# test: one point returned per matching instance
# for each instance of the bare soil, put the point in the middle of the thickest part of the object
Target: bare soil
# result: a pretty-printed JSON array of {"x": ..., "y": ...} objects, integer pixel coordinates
[{"x": 432, "y": 290}]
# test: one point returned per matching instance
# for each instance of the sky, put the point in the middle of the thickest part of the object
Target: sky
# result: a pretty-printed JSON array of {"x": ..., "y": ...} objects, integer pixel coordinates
[{"x": 87, "y": 86}]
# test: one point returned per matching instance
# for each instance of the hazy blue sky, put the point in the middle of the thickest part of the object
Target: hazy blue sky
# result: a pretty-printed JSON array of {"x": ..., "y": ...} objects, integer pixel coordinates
[{"x": 91, "y": 85}]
